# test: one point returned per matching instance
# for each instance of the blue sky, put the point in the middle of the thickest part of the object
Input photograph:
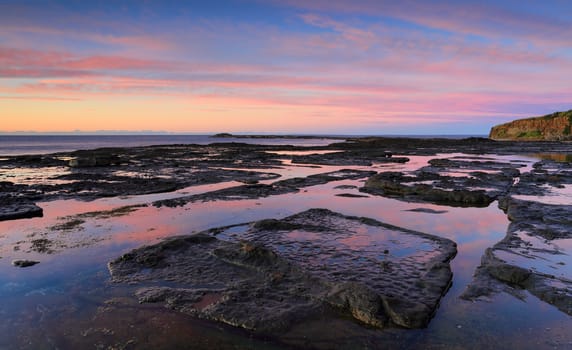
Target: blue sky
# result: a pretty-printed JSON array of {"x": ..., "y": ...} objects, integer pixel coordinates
[{"x": 362, "y": 67}]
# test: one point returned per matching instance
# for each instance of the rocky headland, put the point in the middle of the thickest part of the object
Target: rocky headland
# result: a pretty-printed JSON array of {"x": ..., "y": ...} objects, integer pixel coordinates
[{"x": 552, "y": 127}]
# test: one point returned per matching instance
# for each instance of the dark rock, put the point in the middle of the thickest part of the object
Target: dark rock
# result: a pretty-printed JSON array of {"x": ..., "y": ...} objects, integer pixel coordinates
[
  {"x": 476, "y": 183},
  {"x": 345, "y": 187},
  {"x": 14, "y": 210},
  {"x": 84, "y": 160},
  {"x": 351, "y": 195},
  {"x": 534, "y": 225},
  {"x": 382, "y": 185},
  {"x": 428, "y": 211},
  {"x": 292, "y": 185},
  {"x": 245, "y": 282},
  {"x": 24, "y": 263},
  {"x": 503, "y": 271}
]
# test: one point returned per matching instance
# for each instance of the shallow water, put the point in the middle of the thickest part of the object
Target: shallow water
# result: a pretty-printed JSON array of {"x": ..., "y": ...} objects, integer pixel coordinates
[{"x": 62, "y": 302}]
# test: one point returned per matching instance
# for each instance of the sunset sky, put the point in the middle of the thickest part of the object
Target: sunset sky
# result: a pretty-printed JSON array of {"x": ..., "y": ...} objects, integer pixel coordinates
[{"x": 282, "y": 66}]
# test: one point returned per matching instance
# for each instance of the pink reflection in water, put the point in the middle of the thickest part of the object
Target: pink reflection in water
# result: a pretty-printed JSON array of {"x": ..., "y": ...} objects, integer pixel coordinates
[{"x": 474, "y": 229}]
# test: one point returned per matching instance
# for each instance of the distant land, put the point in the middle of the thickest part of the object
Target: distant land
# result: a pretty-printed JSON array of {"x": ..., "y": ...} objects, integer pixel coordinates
[
  {"x": 550, "y": 127},
  {"x": 238, "y": 135}
]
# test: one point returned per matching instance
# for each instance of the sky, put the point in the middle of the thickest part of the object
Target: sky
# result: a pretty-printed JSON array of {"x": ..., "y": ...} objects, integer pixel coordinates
[{"x": 282, "y": 66}]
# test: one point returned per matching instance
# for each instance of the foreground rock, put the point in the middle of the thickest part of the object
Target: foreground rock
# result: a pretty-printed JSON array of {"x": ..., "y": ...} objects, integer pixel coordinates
[
  {"x": 551, "y": 127},
  {"x": 270, "y": 274},
  {"x": 535, "y": 253}
]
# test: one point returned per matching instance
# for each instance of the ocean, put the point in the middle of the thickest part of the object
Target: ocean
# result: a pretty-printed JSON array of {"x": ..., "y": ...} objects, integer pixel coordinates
[{"x": 42, "y": 144}]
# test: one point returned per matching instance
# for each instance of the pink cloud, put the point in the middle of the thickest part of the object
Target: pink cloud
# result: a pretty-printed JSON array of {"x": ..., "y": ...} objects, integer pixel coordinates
[
  {"x": 117, "y": 63},
  {"x": 34, "y": 63}
]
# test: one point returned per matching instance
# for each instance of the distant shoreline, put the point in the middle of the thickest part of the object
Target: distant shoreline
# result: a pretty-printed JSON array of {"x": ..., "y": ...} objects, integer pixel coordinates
[{"x": 346, "y": 137}]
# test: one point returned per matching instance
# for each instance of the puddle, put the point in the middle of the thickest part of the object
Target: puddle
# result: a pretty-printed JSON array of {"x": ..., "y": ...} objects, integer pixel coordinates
[
  {"x": 550, "y": 257},
  {"x": 31, "y": 176},
  {"x": 302, "y": 153},
  {"x": 554, "y": 195}
]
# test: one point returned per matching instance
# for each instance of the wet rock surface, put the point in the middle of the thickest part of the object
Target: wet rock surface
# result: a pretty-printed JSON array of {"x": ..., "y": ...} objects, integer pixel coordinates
[
  {"x": 312, "y": 270},
  {"x": 533, "y": 255},
  {"x": 266, "y": 275},
  {"x": 14, "y": 203},
  {"x": 348, "y": 158},
  {"x": 109, "y": 172},
  {"x": 454, "y": 182},
  {"x": 264, "y": 190},
  {"x": 11, "y": 211}
]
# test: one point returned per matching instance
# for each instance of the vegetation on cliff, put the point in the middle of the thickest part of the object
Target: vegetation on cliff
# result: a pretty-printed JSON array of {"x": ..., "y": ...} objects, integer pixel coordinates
[{"x": 551, "y": 127}]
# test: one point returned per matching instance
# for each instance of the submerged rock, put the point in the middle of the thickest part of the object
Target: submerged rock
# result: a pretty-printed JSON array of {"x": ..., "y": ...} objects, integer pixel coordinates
[
  {"x": 277, "y": 272},
  {"x": 427, "y": 211}
]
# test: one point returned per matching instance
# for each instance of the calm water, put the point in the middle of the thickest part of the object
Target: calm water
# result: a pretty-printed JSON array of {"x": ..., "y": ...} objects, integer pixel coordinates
[
  {"x": 66, "y": 301},
  {"x": 39, "y": 144}
]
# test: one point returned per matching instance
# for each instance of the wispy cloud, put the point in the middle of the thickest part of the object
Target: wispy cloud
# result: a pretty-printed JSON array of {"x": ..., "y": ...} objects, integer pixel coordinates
[
  {"x": 363, "y": 38},
  {"x": 368, "y": 62}
]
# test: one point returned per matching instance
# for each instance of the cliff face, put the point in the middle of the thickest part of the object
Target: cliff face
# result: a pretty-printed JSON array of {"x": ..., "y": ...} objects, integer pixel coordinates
[{"x": 551, "y": 127}]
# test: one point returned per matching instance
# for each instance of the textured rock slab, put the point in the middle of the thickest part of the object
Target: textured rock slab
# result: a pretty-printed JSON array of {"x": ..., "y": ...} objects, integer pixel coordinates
[
  {"x": 266, "y": 275},
  {"x": 535, "y": 254}
]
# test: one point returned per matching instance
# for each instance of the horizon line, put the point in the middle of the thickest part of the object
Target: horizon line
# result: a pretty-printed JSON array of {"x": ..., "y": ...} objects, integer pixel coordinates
[{"x": 170, "y": 133}]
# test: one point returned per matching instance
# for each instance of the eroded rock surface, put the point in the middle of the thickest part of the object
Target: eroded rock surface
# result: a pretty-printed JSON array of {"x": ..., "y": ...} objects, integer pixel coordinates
[
  {"x": 266, "y": 275},
  {"x": 535, "y": 254}
]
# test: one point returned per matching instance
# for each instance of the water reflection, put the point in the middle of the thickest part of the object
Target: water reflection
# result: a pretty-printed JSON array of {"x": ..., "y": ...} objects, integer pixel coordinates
[
  {"x": 302, "y": 153},
  {"x": 553, "y": 195},
  {"x": 555, "y": 157},
  {"x": 56, "y": 301}
]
